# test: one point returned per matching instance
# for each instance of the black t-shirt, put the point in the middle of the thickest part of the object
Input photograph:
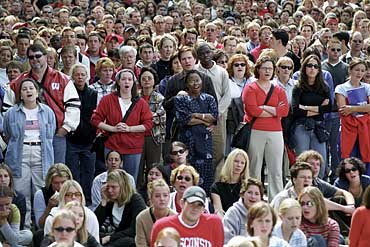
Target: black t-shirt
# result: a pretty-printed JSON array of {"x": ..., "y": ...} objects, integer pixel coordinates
[
  {"x": 229, "y": 193},
  {"x": 296, "y": 60}
]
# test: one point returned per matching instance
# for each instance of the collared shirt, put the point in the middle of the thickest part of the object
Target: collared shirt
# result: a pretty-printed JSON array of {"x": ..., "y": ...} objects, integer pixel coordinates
[
  {"x": 347, "y": 58},
  {"x": 251, "y": 45},
  {"x": 220, "y": 81},
  {"x": 288, "y": 87},
  {"x": 297, "y": 239}
]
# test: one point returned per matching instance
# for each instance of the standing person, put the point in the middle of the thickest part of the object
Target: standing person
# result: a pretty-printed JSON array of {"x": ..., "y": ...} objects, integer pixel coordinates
[
  {"x": 240, "y": 74},
  {"x": 57, "y": 91},
  {"x": 166, "y": 47},
  {"x": 339, "y": 71},
  {"x": 29, "y": 127},
  {"x": 192, "y": 224},
  {"x": 104, "y": 70},
  {"x": 127, "y": 137},
  {"x": 310, "y": 100},
  {"x": 261, "y": 221},
  {"x": 196, "y": 113},
  {"x": 227, "y": 190},
  {"x": 220, "y": 81},
  {"x": 159, "y": 194},
  {"x": 266, "y": 140},
  {"x": 118, "y": 210},
  {"x": 359, "y": 234},
  {"x": 355, "y": 140},
  {"x": 80, "y": 159},
  {"x": 290, "y": 212},
  {"x": 316, "y": 224},
  {"x": 155, "y": 137}
]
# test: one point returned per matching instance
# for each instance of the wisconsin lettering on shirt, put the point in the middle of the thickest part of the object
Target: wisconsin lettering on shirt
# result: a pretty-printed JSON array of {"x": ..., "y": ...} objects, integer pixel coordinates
[{"x": 194, "y": 242}]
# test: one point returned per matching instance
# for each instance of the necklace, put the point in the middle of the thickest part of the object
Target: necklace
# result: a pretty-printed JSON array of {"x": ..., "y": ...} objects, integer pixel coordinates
[{"x": 232, "y": 187}]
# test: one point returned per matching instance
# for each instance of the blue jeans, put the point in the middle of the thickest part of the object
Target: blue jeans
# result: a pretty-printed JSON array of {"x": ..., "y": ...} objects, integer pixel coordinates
[
  {"x": 81, "y": 161},
  {"x": 332, "y": 125},
  {"x": 306, "y": 140},
  {"x": 60, "y": 149},
  {"x": 131, "y": 163}
]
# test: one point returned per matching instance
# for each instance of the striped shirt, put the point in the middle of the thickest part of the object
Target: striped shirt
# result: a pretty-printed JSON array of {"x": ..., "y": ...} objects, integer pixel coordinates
[{"x": 329, "y": 231}]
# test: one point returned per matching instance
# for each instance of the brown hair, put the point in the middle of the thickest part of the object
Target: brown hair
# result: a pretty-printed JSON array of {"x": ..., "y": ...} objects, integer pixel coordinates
[{"x": 257, "y": 210}]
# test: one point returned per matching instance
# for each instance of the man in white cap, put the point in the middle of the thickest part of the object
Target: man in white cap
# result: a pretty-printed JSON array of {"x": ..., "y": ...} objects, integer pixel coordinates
[{"x": 195, "y": 227}]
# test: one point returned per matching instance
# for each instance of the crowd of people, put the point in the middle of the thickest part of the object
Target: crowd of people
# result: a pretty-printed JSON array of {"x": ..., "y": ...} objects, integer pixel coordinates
[{"x": 118, "y": 120}]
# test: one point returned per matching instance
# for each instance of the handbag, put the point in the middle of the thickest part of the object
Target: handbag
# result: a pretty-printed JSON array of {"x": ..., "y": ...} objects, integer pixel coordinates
[
  {"x": 321, "y": 133},
  {"x": 242, "y": 134}
]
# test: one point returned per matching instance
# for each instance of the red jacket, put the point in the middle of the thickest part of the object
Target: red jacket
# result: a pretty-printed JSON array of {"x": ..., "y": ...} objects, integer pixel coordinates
[
  {"x": 60, "y": 95},
  {"x": 354, "y": 128},
  {"x": 109, "y": 111}
]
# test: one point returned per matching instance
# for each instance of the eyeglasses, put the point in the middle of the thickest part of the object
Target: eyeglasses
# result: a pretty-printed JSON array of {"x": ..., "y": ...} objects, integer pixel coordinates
[
  {"x": 180, "y": 178},
  {"x": 37, "y": 56},
  {"x": 147, "y": 78},
  {"x": 309, "y": 204},
  {"x": 286, "y": 67},
  {"x": 335, "y": 50},
  {"x": 180, "y": 151},
  {"x": 62, "y": 229},
  {"x": 71, "y": 194},
  {"x": 353, "y": 169},
  {"x": 239, "y": 65},
  {"x": 310, "y": 65}
]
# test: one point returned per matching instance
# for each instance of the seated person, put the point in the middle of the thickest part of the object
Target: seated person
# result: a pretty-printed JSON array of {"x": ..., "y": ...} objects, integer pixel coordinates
[
  {"x": 236, "y": 216},
  {"x": 113, "y": 161},
  {"x": 118, "y": 210},
  {"x": 72, "y": 191}
]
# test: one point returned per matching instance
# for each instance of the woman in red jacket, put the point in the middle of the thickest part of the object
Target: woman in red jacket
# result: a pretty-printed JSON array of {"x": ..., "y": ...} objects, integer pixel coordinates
[{"x": 125, "y": 133}]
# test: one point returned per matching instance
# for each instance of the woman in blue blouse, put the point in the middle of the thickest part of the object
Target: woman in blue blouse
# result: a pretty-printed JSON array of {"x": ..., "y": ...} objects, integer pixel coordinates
[
  {"x": 29, "y": 127},
  {"x": 196, "y": 114}
]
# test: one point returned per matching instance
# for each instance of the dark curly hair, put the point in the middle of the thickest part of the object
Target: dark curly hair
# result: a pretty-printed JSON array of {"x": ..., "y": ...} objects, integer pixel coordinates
[{"x": 353, "y": 161}]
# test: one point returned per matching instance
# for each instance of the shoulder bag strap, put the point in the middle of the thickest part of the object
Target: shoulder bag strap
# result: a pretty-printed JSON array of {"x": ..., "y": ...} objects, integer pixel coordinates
[
  {"x": 266, "y": 101},
  {"x": 133, "y": 103}
]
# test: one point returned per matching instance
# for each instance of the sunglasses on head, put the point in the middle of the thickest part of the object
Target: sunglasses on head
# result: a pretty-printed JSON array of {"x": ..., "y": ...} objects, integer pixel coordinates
[
  {"x": 187, "y": 179},
  {"x": 310, "y": 65},
  {"x": 62, "y": 229},
  {"x": 353, "y": 169},
  {"x": 31, "y": 57},
  {"x": 239, "y": 64},
  {"x": 180, "y": 151},
  {"x": 286, "y": 67}
]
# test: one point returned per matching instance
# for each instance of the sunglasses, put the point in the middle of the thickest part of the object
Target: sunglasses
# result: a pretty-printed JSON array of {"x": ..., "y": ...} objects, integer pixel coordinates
[
  {"x": 310, "y": 65},
  {"x": 76, "y": 194},
  {"x": 62, "y": 229},
  {"x": 180, "y": 178},
  {"x": 309, "y": 204},
  {"x": 353, "y": 169},
  {"x": 286, "y": 67},
  {"x": 239, "y": 65},
  {"x": 31, "y": 57},
  {"x": 181, "y": 151},
  {"x": 337, "y": 50}
]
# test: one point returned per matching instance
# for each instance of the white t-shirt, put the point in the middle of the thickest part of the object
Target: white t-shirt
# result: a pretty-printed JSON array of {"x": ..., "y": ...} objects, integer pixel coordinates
[
  {"x": 343, "y": 88},
  {"x": 32, "y": 126},
  {"x": 117, "y": 214},
  {"x": 124, "y": 106}
]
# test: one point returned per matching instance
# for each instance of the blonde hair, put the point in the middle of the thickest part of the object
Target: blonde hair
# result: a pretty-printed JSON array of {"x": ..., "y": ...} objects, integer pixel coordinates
[
  {"x": 65, "y": 187},
  {"x": 283, "y": 60},
  {"x": 57, "y": 170},
  {"x": 158, "y": 183},
  {"x": 242, "y": 241},
  {"x": 82, "y": 233},
  {"x": 288, "y": 204},
  {"x": 316, "y": 196},
  {"x": 104, "y": 62},
  {"x": 226, "y": 174},
  {"x": 358, "y": 12},
  {"x": 182, "y": 168},
  {"x": 126, "y": 190},
  {"x": 65, "y": 215},
  {"x": 168, "y": 232}
]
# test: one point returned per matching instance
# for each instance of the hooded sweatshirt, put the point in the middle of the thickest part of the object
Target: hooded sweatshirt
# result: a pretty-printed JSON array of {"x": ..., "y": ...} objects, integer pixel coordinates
[{"x": 234, "y": 220}]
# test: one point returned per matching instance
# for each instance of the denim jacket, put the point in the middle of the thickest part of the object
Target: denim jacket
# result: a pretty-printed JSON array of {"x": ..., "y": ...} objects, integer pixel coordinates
[{"x": 14, "y": 123}]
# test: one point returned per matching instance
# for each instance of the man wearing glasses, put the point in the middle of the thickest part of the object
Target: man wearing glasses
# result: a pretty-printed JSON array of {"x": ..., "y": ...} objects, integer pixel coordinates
[
  {"x": 56, "y": 90},
  {"x": 195, "y": 227}
]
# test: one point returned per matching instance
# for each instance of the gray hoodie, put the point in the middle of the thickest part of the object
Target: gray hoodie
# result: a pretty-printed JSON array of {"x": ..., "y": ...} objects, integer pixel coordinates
[{"x": 234, "y": 220}]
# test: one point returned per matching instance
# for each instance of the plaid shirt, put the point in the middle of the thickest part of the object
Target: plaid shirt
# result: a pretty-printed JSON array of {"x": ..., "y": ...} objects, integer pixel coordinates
[
  {"x": 102, "y": 89},
  {"x": 298, "y": 239}
]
